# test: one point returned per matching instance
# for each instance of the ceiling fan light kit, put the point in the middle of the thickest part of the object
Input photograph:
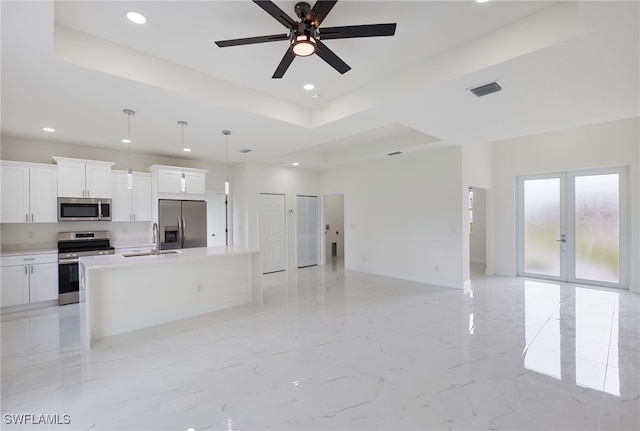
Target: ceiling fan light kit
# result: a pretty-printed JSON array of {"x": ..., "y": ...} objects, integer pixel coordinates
[{"x": 304, "y": 35}]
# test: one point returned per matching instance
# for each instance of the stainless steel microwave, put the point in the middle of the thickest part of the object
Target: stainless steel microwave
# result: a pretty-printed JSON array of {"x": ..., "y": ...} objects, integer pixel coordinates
[{"x": 84, "y": 209}]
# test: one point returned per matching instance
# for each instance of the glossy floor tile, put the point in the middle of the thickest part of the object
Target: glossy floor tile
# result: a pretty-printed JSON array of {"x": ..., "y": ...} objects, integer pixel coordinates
[{"x": 338, "y": 350}]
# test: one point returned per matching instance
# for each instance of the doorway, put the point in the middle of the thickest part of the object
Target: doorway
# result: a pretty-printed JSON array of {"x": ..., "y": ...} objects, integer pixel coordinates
[
  {"x": 273, "y": 232},
  {"x": 307, "y": 227},
  {"x": 572, "y": 226},
  {"x": 478, "y": 229},
  {"x": 334, "y": 227}
]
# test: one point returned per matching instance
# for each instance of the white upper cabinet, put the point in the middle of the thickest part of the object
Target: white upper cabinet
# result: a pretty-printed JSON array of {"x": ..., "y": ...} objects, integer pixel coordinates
[
  {"x": 29, "y": 192},
  {"x": 141, "y": 196},
  {"x": 131, "y": 205},
  {"x": 168, "y": 182},
  {"x": 79, "y": 178}
]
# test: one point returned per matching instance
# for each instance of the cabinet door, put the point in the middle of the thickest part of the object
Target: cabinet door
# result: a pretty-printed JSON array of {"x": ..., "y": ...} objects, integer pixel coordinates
[
  {"x": 98, "y": 181},
  {"x": 43, "y": 284},
  {"x": 43, "y": 190},
  {"x": 15, "y": 285},
  {"x": 196, "y": 184},
  {"x": 169, "y": 181},
  {"x": 121, "y": 199},
  {"x": 71, "y": 179},
  {"x": 15, "y": 194},
  {"x": 141, "y": 196}
]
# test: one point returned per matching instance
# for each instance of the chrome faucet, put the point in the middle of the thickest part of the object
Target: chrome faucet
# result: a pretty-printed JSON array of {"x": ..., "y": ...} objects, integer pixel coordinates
[{"x": 156, "y": 240}]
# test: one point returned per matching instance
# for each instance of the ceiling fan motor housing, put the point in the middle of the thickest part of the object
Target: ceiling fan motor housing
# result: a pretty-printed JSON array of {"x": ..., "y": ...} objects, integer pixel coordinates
[{"x": 302, "y": 9}]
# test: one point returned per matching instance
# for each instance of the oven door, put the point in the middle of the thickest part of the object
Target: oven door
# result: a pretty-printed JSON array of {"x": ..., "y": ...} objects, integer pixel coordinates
[{"x": 68, "y": 282}]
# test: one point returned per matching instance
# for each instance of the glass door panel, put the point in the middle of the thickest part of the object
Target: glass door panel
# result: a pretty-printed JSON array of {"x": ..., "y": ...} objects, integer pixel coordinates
[
  {"x": 597, "y": 228},
  {"x": 542, "y": 227},
  {"x": 573, "y": 226}
]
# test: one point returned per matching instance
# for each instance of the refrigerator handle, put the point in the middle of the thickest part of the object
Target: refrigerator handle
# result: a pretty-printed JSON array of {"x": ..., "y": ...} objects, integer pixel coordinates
[
  {"x": 179, "y": 232},
  {"x": 184, "y": 229}
]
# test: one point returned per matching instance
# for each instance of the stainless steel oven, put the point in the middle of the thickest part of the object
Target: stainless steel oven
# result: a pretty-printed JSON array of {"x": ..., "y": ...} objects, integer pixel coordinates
[
  {"x": 71, "y": 247},
  {"x": 84, "y": 209}
]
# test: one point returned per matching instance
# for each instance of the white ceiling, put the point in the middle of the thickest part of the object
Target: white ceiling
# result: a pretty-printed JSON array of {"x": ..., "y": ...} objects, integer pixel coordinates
[{"x": 74, "y": 65}]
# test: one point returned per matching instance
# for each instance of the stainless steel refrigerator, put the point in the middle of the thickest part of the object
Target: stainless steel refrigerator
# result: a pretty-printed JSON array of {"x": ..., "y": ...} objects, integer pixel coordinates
[{"x": 183, "y": 224}]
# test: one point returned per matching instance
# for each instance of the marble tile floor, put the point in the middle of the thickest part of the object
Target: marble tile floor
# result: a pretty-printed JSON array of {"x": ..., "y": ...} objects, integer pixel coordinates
[{"x": 340, "y": 350}]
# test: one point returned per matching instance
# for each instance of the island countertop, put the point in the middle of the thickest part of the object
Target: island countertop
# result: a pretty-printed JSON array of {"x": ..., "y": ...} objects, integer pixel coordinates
[
  {"x": 120, "y": 294},
  {"x": 90, "y": 262}
]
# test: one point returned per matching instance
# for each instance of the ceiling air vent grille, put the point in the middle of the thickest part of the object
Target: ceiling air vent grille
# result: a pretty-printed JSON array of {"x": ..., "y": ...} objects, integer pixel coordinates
[{"x": 483, "y": 90}]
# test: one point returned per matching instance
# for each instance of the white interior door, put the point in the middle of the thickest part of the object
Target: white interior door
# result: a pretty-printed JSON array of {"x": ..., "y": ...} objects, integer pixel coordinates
[
  {"x": 573, "y": 226},
  {"x": 307, "y": 224},
  {"x": 272, "y": 232},
  {"x": 215, "y": 218}
]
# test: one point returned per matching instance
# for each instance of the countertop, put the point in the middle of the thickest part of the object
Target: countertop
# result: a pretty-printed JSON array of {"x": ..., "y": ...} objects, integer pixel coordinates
[
  {"x": 92, "y": 262},
  {"x": 22, "y": 252}
]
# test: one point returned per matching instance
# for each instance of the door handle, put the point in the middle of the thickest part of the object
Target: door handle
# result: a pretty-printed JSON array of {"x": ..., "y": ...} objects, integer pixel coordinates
[{"x": 563, "y": 238}]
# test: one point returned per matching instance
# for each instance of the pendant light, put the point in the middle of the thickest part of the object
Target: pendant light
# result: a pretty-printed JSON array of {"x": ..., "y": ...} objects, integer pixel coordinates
[
  {"x": 183, "y": 181},
  {"x": 129, "y": 113},
  {"x": 226, "y": 134}
]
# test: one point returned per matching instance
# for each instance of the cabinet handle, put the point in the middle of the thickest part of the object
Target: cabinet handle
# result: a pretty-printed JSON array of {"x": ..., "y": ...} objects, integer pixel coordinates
[
  {"x": 134, "y": 217},
  {"x": 31, "y": 269},
  {"x": 25, "y": 270},
  {"x": 28, "y": 258},
  {"x": 87, "y": 192},
  {"x": 31, "y": 218},
  {"x": 26, "y": 218}
]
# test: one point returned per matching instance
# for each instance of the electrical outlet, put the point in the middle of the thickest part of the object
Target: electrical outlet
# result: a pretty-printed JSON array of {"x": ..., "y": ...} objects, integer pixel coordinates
[{"x": 198, "y": 287}]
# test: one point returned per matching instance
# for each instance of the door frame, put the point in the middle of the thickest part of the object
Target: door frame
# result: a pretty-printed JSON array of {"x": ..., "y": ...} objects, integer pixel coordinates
[{"x": 567, "y": 221}]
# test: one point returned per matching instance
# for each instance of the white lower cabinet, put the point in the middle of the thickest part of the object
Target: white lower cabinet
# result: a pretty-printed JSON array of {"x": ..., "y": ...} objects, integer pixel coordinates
[{"x": 29, "y": 278}]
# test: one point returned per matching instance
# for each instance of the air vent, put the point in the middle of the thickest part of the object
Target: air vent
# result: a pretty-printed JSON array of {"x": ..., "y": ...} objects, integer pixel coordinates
[
  {"x": 395, "y": 153},
  {"x": 483, "y": 90},
  {"x": 244, "y": 150}
]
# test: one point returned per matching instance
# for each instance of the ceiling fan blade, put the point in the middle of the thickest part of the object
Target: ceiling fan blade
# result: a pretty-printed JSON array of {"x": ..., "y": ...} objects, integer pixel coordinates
[
  {"x": 349, "y": 31},
  {"x": 252, "y": 40},
  {"x": 330, "y": 57},
  {"x": 284, "y": 64},
  {"x": 319, "y": 12},
  {"x": 273, "y": 10}
]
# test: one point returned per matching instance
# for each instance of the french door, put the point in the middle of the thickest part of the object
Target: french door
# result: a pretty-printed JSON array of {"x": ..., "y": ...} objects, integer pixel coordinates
[{"x": 573, "y": 226}]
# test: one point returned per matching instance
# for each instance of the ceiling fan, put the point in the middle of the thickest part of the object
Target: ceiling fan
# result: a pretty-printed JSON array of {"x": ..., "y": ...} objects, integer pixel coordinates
[{"x": 304, "y": 36}]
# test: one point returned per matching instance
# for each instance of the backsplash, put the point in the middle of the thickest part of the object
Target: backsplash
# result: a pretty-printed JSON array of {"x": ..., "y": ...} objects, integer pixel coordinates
[{"x": 37, "y": 236}]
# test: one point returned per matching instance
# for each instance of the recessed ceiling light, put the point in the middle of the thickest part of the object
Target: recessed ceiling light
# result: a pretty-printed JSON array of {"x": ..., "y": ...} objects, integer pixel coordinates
[
  {"x": 308, "y": 87},
  {"x": 49, "y": 129},
  {"x": 136, "y": 17},
  {"x": 315, "y": 96},
  {"x": 481, "y": 1},
  {"x": 186, "y": 150},
  {"x": 295, "y": 163},
  {"x": 126, "y": 141}
]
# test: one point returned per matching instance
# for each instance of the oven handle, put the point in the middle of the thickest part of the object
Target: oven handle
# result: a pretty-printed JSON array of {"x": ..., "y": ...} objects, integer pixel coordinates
[{"x": 68, "y": 261}]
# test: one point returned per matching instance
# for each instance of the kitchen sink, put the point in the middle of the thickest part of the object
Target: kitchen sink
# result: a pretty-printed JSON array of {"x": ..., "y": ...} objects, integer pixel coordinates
[{"x": 148, "y": 253}]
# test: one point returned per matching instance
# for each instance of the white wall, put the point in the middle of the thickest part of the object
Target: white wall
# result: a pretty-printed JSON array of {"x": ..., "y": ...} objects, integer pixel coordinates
[
  {"x": 251, "y": 179},
  {"x": 608, "y": 144},
  {"x": 403, "y": 216}
]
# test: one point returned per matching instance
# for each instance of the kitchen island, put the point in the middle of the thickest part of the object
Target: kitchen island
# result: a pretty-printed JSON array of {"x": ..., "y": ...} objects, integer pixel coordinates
[{"x": 122, "y": 293}]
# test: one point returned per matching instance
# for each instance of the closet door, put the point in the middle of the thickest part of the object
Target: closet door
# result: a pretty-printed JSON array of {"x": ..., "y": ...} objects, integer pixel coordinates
[{"x": 272, "y": 232}]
